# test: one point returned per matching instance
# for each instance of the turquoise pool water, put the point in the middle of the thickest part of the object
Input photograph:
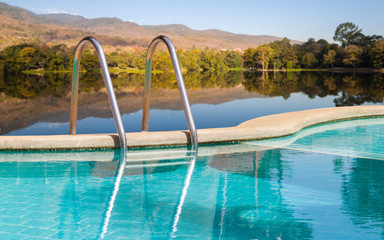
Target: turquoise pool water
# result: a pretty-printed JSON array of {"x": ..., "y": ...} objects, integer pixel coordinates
[{"x": 256, "y": 190}]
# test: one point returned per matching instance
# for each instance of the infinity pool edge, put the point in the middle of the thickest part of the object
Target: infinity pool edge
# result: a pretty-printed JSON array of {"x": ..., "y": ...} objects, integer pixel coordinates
[{"x": 271, "y": 126}]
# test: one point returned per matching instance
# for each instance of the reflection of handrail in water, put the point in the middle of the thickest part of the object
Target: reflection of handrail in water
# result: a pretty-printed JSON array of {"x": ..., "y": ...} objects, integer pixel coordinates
[
  {"x": 116, "y": 186},
  {"x": 186, "y": 184},
  {"x": 115, "y": 112},
  {"x": 108, "y": 85},
  {"x": 223, "y": 206},
  {"x": 180, "y": 83}
]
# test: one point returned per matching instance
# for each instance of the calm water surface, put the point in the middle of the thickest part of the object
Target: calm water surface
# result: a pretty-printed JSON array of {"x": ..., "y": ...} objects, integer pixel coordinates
[{"x": 40, "y": 104}]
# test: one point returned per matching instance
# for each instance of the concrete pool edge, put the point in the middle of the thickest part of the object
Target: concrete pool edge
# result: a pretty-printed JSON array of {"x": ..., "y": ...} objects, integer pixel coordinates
[{"x": 271, "y": 126}]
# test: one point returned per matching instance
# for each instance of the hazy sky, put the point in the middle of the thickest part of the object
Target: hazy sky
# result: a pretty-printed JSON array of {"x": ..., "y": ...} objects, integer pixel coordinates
[{"x": 295, "y": 19}]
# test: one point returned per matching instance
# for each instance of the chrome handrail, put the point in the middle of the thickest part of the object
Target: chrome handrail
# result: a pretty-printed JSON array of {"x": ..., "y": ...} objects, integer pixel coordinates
[
  {"x": 180, "y": 83},
  {"x": 108, "y": 84}
]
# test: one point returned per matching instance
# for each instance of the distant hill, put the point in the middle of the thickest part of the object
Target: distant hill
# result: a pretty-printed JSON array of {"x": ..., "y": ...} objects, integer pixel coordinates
[{"x": 18, "y": 25}]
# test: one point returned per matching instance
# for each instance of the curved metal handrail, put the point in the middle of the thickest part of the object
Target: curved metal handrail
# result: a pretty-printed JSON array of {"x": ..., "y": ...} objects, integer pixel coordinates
[
  {"x": 180, "y": 83},
  {"x": 108, "y": 84}
]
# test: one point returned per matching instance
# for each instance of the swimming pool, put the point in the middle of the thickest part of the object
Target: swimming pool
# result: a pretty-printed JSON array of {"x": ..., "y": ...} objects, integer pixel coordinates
[{"x": 251, "y": 190}]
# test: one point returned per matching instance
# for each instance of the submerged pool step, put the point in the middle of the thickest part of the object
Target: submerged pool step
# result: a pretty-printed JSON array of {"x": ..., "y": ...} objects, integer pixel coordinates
[
  {"x": 152, "y": 159},
  {"x": 144, "y": 156},
  {"x": 157, "y": 158},
  {"x": 157, "y": 164}
]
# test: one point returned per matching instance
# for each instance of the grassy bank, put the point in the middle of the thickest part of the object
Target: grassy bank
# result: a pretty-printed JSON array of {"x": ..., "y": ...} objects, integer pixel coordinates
[
  {"x": 142, "y": 71},
  {"x": 338, "y": 70},
  {"x": 111, "y": 70}
]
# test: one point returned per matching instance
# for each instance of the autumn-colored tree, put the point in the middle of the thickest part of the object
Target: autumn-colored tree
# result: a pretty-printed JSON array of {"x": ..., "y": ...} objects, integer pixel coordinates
[
  {"x": 353, "y": 55},
  {"x": 377, "y": 53},
  {"x": 330, "y": 57},
  {"x": 263, "y": 55}
]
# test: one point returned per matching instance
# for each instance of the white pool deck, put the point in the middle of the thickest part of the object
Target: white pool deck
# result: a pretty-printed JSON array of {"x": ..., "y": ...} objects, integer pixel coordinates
[{"x": 271, "y": 126}]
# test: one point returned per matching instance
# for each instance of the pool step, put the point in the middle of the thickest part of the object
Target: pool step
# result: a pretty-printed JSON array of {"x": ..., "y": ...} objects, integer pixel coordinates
[
  {"x": 144, "y": 156},
  {"x": 157, "y": 164},
  {"x": 157, "y": 158}
]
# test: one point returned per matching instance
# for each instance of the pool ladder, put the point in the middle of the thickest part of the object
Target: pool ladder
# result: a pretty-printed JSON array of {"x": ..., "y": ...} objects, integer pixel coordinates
[
  {"x": 111, "y": 94},
  {"x": 180, "y": 82},
  {"x": 108, "y": 84}
]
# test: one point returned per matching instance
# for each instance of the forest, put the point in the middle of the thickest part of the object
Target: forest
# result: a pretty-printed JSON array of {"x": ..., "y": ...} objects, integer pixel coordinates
[
  {"x": 356, "y": 50},
  {"x": 27, "y": 57}
]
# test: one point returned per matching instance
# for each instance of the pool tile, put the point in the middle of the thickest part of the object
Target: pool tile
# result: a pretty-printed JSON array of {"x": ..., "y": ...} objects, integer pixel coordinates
[
  {"x": 37, "y": 232},
  {"x": 8, "y": 236}
]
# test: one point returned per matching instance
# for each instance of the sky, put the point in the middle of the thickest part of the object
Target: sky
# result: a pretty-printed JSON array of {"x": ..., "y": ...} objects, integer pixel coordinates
[{"x": 295, "y": 19}]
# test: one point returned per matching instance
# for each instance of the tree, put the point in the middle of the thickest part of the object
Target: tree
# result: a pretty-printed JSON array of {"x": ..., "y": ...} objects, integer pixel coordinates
[
  {"x": 364, "y": 41},
  {"x": 89, "y": 61},
  {"x": 232, "y": 59},
  {"x": 249, "y": 58},
  {"x": 283, "y": 53},
  {"x": 208, "y": 60},
  {"x": 377, "y": 53},
  {"x": 330, "y": 57},
  {"x": 190, "y": 60},
  {"x": 56, "y": 64},
  {"x": 346, "y": 33},
  {"x": 31, "y": 58},
  {"x": 308, "y": 60},
  {"x": 263, "y": 55},
  {"x": 289, "y": 65},
  {"x": 288, "y": 55},
  {"x": 353, "y": 55}
]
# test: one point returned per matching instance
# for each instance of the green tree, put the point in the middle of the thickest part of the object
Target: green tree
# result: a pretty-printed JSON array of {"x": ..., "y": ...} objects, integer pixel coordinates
[
  {"x": 232, "y": 59},
  {"x": 89, "y": 61},
  {"x": 190, "y": 60},
  {"x": 309, "y": 60},
  {"x": 31, "y": 58},
  {"x": 288, "y": 55},
  {"x": 249, "y": 58},
  {"x": 208, "y": 60},
  {"x": 283, "y": 53},
  {"x": 330, "y": 57},
  {"x": 56, "y": 64},
  {"x": 364, "y": 41},
  {"x": 346, "y": 33},
  {"x": 289, "y": 65},
  {"x": 353, "y": 55}
]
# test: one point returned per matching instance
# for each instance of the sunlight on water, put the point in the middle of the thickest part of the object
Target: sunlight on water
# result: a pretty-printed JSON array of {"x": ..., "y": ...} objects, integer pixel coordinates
[{"x": 235, "y": 191}]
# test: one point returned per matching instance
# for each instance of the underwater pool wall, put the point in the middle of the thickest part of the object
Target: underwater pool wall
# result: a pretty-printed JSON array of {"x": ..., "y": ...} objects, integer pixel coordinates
[{"x": 271, "y": 126}]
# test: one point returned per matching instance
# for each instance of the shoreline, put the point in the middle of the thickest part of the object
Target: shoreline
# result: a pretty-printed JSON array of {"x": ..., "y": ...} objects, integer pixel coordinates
[
  {"x": 139, "y": 71},
  {"x": 336, "y": 70}
]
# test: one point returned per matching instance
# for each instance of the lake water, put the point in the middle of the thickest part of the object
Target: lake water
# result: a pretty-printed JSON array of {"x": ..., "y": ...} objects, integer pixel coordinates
[{"x": 39, "y": 104}]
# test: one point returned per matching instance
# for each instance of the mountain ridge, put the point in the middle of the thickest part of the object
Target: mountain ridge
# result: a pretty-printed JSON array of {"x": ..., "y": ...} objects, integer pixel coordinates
[{"x": 18, "y": 25}]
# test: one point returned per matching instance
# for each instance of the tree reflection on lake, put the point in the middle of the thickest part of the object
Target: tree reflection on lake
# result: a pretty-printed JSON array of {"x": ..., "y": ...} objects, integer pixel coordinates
[
  {"x": 218, "y": 99},
  {"x": 349, "y": 88}
]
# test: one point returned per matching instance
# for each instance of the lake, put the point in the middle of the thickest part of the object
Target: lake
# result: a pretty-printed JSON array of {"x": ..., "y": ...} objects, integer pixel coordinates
[{"x": 39, "y": 104}]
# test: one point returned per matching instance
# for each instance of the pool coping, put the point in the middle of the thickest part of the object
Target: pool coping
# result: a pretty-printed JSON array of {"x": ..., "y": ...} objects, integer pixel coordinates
[{"x": 265, "y": 127}]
